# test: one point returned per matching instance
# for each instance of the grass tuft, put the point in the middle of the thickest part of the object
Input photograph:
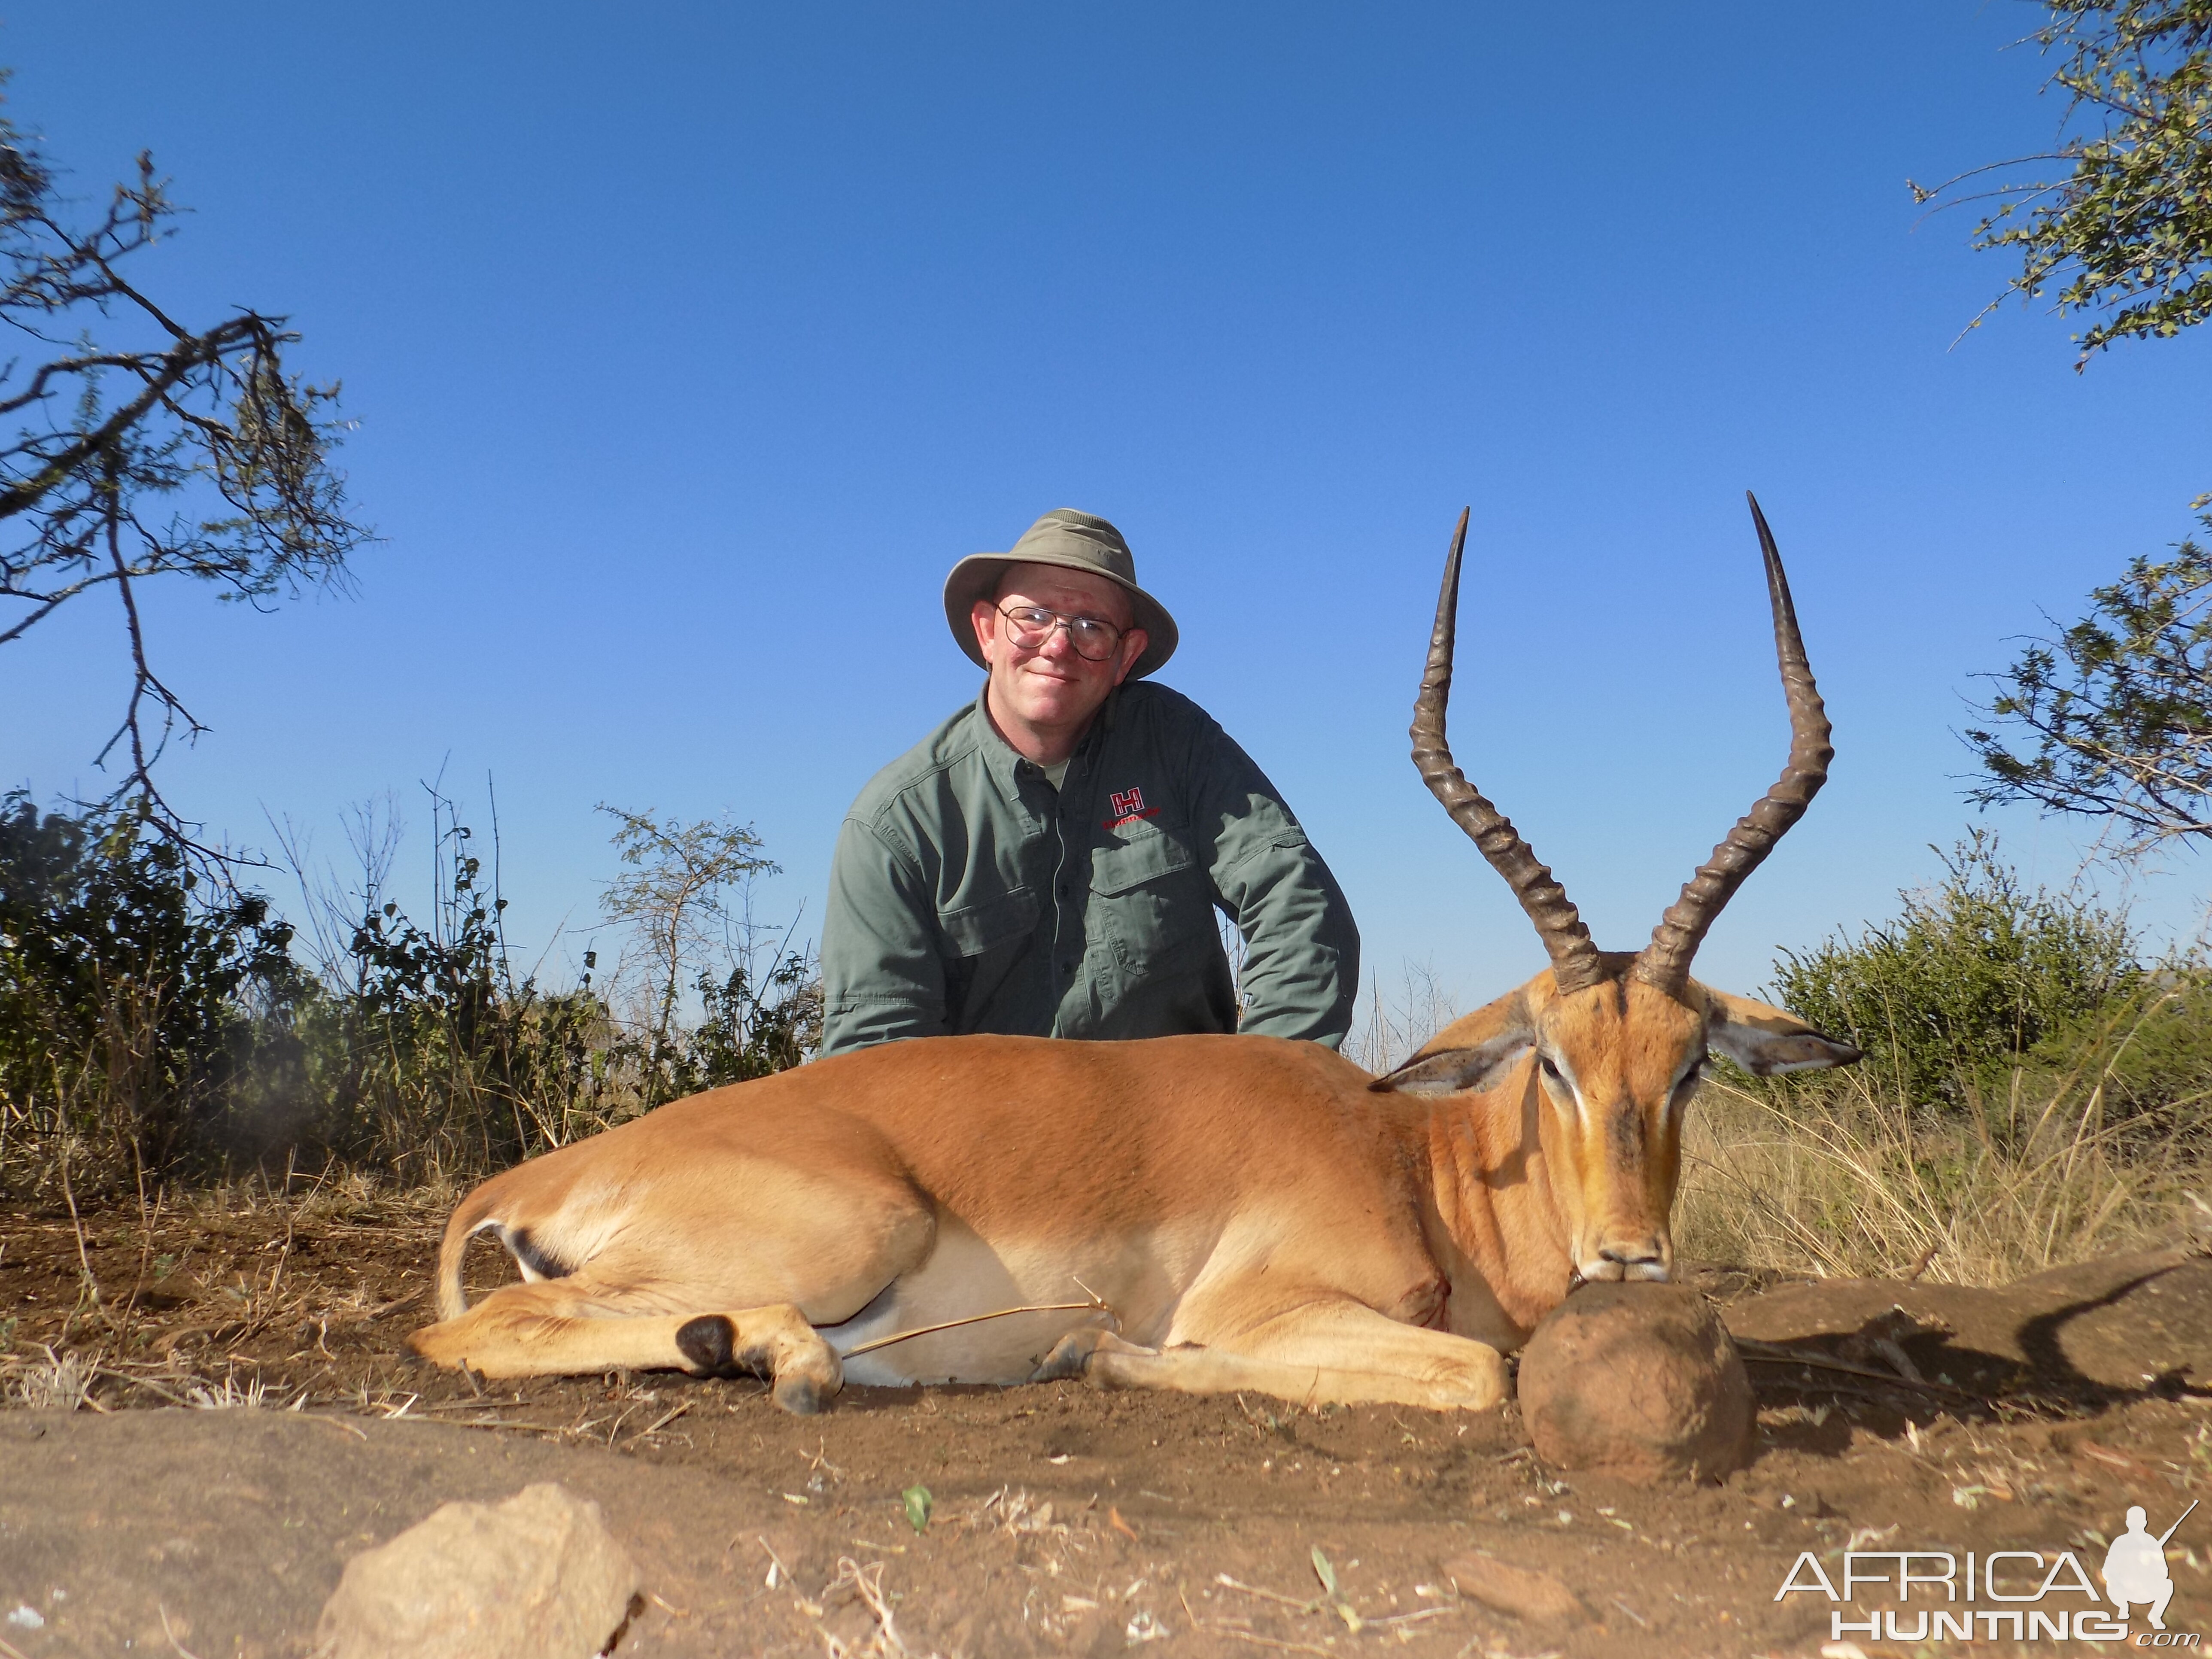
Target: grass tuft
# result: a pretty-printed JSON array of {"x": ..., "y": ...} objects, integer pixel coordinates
[{"x": 1842, "y": 1175}]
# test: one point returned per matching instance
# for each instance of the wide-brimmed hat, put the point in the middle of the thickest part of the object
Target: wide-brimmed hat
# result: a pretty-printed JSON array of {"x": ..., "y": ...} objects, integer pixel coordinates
[{"x": 1073, "y": 541}]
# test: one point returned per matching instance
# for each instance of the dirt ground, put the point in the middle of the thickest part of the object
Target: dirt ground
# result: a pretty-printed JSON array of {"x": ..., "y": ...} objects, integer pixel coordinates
[{"x": 211, "y": 1413}]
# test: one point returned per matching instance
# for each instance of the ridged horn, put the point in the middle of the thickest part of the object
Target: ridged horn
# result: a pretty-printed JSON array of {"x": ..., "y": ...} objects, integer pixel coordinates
[
  {"x": 1575, "y": 963},
  {"x": 1665, "y": 963}
]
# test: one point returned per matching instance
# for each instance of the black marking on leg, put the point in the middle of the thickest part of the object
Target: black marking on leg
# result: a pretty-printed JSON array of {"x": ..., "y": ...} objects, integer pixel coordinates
[
  {"x": 707, "y": 1343},
  {"x": 531, "y": 1255}
]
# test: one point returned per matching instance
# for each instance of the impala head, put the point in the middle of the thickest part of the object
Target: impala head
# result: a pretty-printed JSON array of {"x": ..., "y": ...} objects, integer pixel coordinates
[{"x": 1612, "y": 1043}]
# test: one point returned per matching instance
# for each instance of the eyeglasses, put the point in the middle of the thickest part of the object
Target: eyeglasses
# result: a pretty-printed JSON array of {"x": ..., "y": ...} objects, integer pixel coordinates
[{"x": 1029, "y": 626}]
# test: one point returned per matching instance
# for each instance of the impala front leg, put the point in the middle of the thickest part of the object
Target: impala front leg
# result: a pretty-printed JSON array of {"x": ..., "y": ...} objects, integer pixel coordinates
[
  {"x": 1329, "y": 1350},
  {"x": 554, "y": 1328}
]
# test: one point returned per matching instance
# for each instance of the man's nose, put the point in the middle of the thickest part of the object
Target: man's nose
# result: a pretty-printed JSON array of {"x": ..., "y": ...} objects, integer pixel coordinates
[{"x": 1060, "y": 642}]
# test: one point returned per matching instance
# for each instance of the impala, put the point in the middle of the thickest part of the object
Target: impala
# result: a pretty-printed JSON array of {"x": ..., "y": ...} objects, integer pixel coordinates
[{"x": 1198, "y": 1212}]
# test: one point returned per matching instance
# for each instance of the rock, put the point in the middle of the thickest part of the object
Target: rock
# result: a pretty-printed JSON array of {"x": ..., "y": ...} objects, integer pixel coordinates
[
  {"x": 537, "y": 1577},
  {"x": 1639, "y": 1381},
  {"x": 1536, "y": 1596}
]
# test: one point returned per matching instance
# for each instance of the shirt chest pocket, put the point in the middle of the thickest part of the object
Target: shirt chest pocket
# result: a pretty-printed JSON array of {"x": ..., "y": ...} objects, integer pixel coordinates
[
  {"x": 992, "y": 924},
  {"x": 1150, "y": 898}
]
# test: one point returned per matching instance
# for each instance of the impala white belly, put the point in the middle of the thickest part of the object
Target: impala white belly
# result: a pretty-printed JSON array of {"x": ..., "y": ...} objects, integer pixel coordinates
[{"x": 1140, "y": 1277}]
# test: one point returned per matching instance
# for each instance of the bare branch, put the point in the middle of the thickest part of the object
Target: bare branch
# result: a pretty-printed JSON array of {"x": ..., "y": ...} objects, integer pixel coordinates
[{"x": 236, "y": 452}]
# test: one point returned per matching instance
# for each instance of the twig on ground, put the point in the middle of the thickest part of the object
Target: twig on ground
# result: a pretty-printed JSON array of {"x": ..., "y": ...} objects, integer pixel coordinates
[
  {"x": 1268, "y": 1641},
  {"x": 775, "y": 1560},
  {"x": 621, "y": 1418},
  {"x": 1312, "y": 1606},
  {"x": 1094, "y": 1304},
  {"x": 867, "y": 1582},
  {"x": 89, "y": 1286},
  {"x": 1437, "y": 1613},
  {"x": 662, "y": 1421},
  {"x": 171, "y": 1634}
]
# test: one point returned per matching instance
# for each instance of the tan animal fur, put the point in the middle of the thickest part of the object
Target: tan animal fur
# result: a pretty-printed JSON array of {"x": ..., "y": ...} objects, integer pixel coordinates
[{"x": 1248, "y": 1212}]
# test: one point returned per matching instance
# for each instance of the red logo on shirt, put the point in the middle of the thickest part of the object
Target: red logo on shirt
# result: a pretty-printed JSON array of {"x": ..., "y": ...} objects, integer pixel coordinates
[{"x": 1128, "y": 807}]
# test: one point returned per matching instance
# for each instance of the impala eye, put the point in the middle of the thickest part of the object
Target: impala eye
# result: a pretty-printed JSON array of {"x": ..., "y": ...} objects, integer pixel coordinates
[{"x": 1551, "y": 1070}]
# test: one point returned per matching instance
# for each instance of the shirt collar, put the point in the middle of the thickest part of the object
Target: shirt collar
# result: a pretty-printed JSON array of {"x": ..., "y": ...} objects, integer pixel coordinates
[
  {"x": 1004, "y": 762},
  {"x": 1000, "y": 758}
]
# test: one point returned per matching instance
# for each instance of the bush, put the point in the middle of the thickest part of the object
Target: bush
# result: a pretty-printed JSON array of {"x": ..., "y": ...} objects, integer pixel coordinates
[
  {"x": 2032, "y": 1096},
  {"x": 151, "y": 1027},
  {"x": 125, "y": 992},
  {"x": 418, "y": 1053},
  {"x": 2147, "y": 1050},
  {"x": 1971, "y": 976}
]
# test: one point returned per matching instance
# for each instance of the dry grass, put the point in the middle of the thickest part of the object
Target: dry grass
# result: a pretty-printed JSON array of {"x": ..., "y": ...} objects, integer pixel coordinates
[
  {"x": 1836, "y": 1177},
  {"x": 1392, "y": 1025},
  {"x": 57, "y": 1381}
]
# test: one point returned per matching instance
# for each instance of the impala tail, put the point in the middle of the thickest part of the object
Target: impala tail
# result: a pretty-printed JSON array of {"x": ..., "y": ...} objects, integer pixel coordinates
[{"x": 472, "y": 1215}]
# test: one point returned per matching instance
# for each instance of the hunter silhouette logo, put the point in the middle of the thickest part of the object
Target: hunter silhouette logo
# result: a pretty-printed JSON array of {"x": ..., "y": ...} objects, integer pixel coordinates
[{"x": 2135, "y": 1567}]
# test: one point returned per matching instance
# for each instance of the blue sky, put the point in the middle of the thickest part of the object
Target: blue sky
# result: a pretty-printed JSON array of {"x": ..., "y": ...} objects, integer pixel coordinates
[{"x": 690, "y": 345}]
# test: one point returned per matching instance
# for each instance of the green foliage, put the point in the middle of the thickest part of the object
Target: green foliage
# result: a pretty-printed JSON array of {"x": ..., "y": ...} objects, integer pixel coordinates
[
  {"x": 2113, "y": 719},
  {"x": 1968, "y": 978},
  {"x": 151, "y": 1026},
  {"x": 2147, "y": 1051},
  {"x": 125, "y": 996},
  {"x": 2128, "y": 230},
  {"x": 426, "y": 1056},
  {"x": 752, "y": 1029}
]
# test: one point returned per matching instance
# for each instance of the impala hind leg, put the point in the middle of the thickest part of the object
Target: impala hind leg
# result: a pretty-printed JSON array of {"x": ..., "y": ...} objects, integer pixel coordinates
[
  {"x": 548, "y": 1329},
  {"x": 1334, "y": 1352}
]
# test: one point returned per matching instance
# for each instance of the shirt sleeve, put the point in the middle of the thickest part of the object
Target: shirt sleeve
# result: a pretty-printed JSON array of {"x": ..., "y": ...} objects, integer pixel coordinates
[
  {"x": 1302, "y": 947},
  {"x": 882, "y": 976}
]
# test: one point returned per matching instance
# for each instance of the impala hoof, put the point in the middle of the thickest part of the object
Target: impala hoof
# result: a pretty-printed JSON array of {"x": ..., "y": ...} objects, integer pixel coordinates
[
  {"x": 1070, "y": 1355},
  {"x": 802, "y": 1396}
]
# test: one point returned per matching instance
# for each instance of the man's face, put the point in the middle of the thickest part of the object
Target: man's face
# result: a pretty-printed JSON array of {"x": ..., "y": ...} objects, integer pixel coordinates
[{"x": 1052, "y": 687}]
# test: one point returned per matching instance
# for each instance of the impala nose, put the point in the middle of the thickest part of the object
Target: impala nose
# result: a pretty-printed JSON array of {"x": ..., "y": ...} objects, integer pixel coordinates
[{"x": 1641, "y": 1258}]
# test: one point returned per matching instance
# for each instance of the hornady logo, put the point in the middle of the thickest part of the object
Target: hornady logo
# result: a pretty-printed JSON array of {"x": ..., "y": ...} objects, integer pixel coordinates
[
  {"x": 1127, "y": 805},
  {"x": 2029, "y": 1589}
]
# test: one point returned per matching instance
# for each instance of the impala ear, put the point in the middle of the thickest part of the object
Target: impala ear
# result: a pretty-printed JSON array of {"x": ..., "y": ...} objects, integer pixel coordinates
[
  {"x": 1455, "y": 1071},
  {"x": 1765, "y": 1041},
  {"x": 1468, "y": 1053}
]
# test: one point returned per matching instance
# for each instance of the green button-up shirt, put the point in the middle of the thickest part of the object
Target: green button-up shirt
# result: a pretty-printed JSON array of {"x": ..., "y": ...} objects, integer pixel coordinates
[{"x": 967, "y": 894}]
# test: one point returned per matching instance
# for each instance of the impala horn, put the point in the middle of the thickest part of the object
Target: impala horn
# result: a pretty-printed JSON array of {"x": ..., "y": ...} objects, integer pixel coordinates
[
  {"x": 1665, "y": 963},
  {"x": 1576, "y": 965}
]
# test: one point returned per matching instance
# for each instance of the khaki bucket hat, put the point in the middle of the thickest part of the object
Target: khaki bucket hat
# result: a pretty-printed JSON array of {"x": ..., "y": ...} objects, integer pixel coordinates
[{"x": 1073, "y": 541}]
